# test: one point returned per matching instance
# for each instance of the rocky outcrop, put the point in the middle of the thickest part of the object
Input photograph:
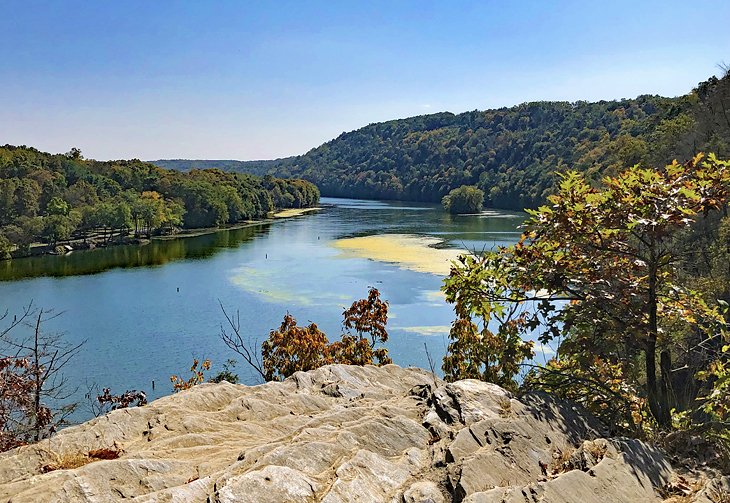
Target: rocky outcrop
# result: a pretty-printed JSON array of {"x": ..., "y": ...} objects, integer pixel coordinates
[{"x": 340, "y": 433}]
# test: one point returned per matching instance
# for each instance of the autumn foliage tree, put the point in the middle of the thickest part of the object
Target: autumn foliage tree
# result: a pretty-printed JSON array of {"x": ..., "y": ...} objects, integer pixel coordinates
[
  {"x": 368, "y": 318},
  {"x": 197, "y": 376},
  {"x": 33, "y": 389},
  {"x": 598, "y": 272},
  {"x": 292, "y": 348}
]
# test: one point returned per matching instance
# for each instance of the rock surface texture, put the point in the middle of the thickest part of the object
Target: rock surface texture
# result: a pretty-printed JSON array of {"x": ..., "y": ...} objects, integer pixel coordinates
[{"x": 341, "y": 433}]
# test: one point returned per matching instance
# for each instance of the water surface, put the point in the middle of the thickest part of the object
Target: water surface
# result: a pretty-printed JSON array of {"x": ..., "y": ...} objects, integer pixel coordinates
[{"x": 146, "y": 311}]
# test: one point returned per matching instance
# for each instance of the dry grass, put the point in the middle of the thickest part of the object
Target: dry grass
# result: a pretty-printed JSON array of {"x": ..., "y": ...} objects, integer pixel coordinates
[
  {"x": 561, "y": 461},
  {"x": 682, "y": 489},
  {"x": 575, "y": 458},
  {"x": 596, "y": 449},
  {"x": 104, "y": 453},
  {"x": 505, "y": 407},
  {"x": 72, "y": 460}
]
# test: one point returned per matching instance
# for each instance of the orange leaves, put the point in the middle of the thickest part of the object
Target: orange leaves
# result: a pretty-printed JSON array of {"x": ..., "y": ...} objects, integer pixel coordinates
[
  {"x": 368, "y": 316},
  {"x": 197, "y": 370},
  {"x": 151, "y": 194},
  {"x": 292, "y": 348}
]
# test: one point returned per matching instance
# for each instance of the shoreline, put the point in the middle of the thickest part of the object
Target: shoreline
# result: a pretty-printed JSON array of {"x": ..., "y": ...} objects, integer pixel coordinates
[{"x": 273, "y": 217}]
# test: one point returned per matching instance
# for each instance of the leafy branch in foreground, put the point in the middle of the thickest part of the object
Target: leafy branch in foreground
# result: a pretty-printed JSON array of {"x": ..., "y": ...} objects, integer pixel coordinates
[
  {"x": 131, "y": 398},
  {"x": 32, "y": 382},
  {"x": 602, "y": 270},
  {"x": 197, "y": 371}
]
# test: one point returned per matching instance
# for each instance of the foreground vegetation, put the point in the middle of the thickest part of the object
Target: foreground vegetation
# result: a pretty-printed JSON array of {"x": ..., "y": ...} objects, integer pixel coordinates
[
  {"x": 628, "y": 285},
  {"x": 50, "y": 199}
]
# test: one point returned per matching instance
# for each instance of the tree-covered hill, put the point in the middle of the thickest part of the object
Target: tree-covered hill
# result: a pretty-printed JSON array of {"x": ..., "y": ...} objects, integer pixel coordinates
[
  {"x": 259, "y": 168},
  {"x": 512, "y": 154},
  {"x": 47, "y": 198}
]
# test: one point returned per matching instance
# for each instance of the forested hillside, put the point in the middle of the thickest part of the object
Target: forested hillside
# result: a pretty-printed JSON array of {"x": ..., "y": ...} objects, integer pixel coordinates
[
  {"x": 512, "y": 154},
  {"x": 52, "y": 198},
  {"x": 259, "y": 168}
]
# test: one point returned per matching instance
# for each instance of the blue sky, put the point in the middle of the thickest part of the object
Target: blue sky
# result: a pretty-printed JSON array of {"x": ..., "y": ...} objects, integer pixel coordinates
[{"x": 255, "y": 80}]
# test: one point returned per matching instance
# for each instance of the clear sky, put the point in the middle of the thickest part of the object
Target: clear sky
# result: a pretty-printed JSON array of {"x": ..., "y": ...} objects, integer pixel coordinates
[{"x": 254, "y": 80}]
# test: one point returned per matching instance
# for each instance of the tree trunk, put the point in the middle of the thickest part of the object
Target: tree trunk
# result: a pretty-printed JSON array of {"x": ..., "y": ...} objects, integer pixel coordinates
[
  {"x": 667, "y": 392},
  {"x": 658, "y": 398},
  {"x": 652, "y": 388}
]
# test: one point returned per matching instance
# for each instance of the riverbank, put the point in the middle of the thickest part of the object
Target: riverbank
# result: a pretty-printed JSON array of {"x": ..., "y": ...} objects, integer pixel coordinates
[
  {"x": 295, "y": 212},
  {"x": 98, "y": 240}
]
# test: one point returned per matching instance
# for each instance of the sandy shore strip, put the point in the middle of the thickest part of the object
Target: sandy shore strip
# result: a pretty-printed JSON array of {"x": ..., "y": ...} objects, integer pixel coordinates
[
  {"x": 201, "y": 231},
  {"x": 295, "y": 212},
  {"x": 417, "y": 253}
]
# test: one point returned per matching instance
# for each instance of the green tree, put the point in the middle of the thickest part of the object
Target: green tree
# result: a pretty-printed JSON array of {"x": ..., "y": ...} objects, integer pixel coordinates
[
  {"x": 465, "y": 199},
  {"x": 57, "y": 206},
  {"x": 27, "y": 198},
  {"x": 6, "y": 247},
  {"x": 57, "y": 228},
  {"x": 7, "y": 200},
  {"x": 24, "y": 232},
  {"x": 475, "y": 351},
  {"x": 610, "y": 257}
]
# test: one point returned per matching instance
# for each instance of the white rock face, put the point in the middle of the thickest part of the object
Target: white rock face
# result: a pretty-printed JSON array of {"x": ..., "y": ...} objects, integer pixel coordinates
[{"x": 340, "y": 433}]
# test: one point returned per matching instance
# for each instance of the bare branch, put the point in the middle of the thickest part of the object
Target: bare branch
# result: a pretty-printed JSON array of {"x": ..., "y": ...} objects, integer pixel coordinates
[{"x": 248, "y": 350}]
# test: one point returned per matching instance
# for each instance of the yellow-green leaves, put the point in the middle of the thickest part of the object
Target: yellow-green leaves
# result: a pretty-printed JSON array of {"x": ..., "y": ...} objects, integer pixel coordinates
[{"x": 597, "y": 269}]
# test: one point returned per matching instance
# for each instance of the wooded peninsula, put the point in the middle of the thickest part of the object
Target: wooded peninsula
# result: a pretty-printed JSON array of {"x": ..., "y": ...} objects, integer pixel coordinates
[{"x": 49, "y": 199}]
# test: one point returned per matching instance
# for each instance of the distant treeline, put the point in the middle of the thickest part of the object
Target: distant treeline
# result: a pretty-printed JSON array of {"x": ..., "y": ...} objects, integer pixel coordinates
[
  {"x": 512, "y": 154},
  {"x": 259, "y": 168},
  {"x": 52, "y": 198}
]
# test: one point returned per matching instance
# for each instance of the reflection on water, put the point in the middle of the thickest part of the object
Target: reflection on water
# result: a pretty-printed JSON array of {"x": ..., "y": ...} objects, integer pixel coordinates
[{"x": 157, "y": 252}]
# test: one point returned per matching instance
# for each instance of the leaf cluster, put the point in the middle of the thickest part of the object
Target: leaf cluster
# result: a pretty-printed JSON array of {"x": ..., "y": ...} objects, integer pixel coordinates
[
  {"x": 292, "y": 348},
  {"x": 197, "y": 371},
  {"x": 602, "y": 272}
]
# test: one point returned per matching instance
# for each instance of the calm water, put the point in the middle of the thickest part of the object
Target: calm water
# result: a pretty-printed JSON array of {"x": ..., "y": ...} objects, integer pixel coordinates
[{"x": 125, "y": 301}]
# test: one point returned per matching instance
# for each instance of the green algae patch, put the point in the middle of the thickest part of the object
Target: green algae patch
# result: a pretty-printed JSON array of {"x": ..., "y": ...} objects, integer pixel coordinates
[
  {"x": 408, "y": 251},
  {"x": 274, "y": 285},
  {"x": 262, "y": 283}
]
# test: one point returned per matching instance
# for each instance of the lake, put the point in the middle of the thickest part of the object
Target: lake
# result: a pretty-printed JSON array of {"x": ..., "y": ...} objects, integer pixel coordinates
[{"x": 146, "y": 311}]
